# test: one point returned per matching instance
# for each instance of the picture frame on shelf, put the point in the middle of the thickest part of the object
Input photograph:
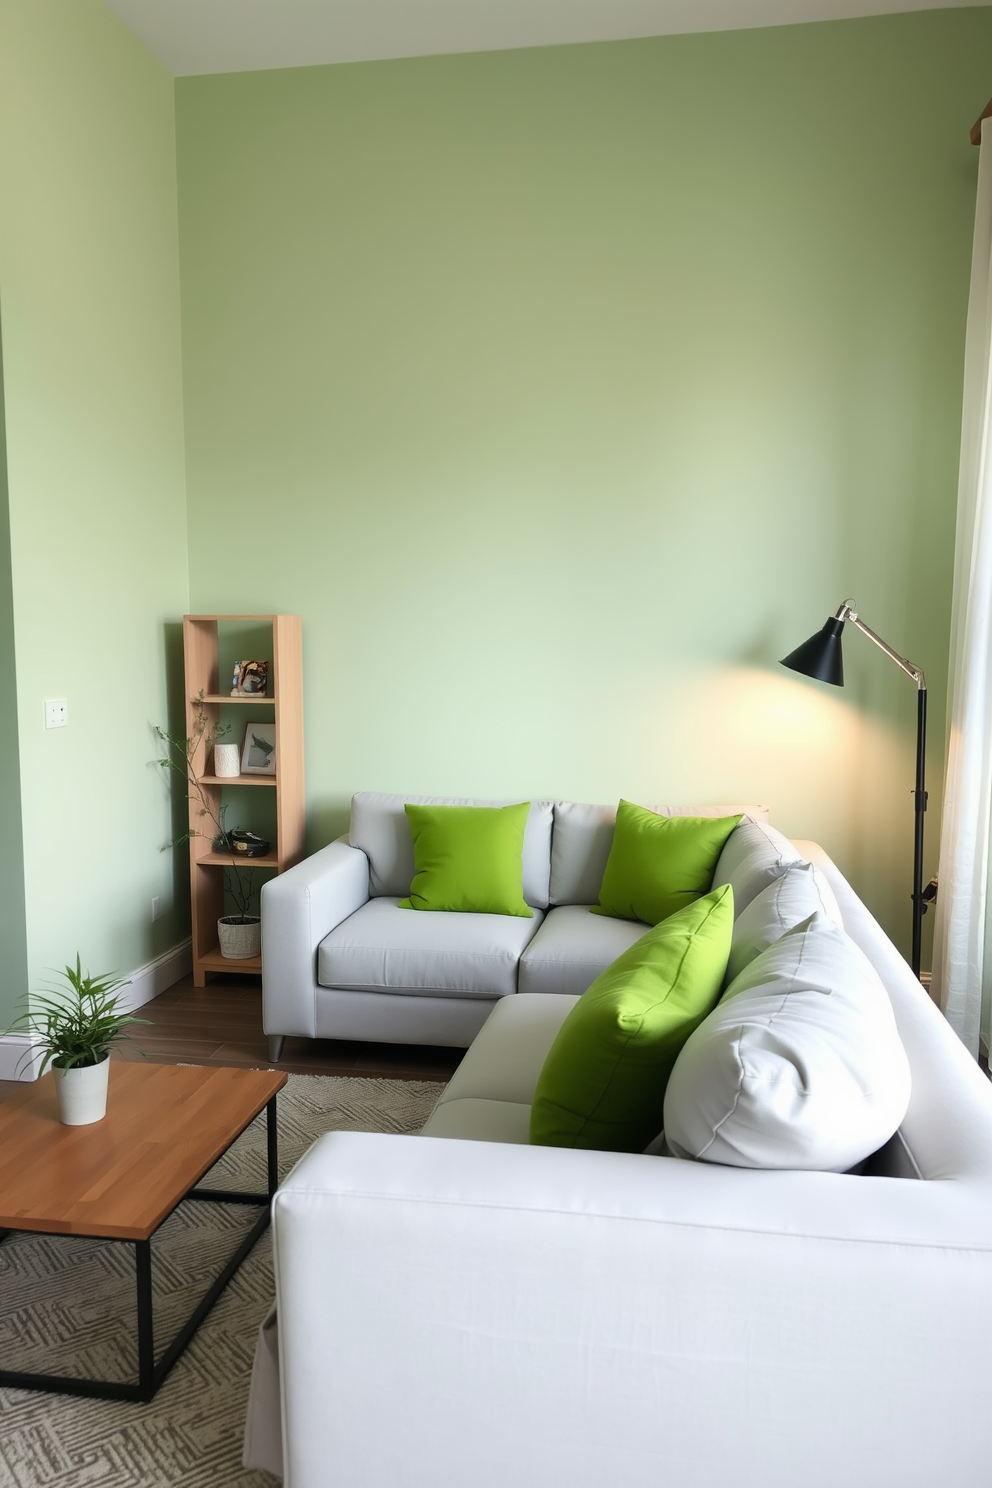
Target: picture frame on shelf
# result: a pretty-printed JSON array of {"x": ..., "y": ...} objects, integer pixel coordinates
[{"x": 258, "y": 754}]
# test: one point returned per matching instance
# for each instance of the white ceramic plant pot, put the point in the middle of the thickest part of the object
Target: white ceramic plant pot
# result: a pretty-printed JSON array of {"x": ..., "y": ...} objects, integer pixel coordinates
[
  {"x": 82, "y": 1092},
  {"x": 239, "y": 938}
]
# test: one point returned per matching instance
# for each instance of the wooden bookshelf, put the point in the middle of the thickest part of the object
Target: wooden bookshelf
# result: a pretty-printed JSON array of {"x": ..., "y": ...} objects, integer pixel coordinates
[
  {"x": 222, "y": 860},
  {"x": 202, "y": 641},
  {"x": 214, "y": 961},
  {"x": 222, "y": 697},
  {"x": 223, "y": 780}
]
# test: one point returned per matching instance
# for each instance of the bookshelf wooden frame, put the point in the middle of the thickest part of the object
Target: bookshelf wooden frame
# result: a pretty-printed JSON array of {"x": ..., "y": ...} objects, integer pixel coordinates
[{"x": 285, "y": 698}]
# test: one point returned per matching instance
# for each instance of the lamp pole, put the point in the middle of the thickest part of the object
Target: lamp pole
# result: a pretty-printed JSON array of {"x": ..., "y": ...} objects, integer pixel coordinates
[{"x": 821, "y": 657}]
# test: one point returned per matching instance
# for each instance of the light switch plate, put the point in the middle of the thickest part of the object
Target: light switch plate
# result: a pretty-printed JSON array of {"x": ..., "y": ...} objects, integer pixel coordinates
[{"x": 56, "y": 713}]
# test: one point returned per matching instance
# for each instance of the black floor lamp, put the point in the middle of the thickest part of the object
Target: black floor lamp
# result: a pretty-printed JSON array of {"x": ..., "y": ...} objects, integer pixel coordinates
[{"x": 821, "y": 657}]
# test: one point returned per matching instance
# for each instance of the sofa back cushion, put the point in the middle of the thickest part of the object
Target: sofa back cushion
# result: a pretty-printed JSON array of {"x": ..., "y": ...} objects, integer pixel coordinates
[
  {"x": 754, "y": 856},
  {"x": 583, "y": 836},
  {"x": 380, "y": 828},
  {"x": 799, "y": 1066},
  {"x": 787, "y": 901}
]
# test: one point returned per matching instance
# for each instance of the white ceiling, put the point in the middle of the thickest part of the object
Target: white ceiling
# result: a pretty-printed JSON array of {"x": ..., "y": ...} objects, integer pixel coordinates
[{"x": 195, "y": 36}]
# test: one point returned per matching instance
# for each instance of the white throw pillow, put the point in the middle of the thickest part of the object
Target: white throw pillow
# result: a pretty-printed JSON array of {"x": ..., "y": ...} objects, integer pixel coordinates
[
  {"x": 753, "y": 856},
  {"x": 800, "y": 892},
  {"x": 799, "y": 1065}
]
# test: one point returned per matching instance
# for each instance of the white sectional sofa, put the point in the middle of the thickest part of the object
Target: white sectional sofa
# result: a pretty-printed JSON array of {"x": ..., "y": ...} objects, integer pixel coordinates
[
  {"x": 341, "y": 960},
  {"x": 474, "y": 1312}
]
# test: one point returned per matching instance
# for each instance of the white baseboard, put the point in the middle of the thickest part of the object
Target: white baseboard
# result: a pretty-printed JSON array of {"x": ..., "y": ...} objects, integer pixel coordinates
[
  {"x": 152, "y": 978},
  {"x": 19, "y": 1055}
]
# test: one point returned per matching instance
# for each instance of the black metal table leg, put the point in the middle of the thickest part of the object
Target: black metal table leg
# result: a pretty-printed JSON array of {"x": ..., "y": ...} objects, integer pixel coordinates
[
  {"x": 146, "y": 1329},
  {"x": 182, "y": 1338},
  {"x": 235, "y": 1196},
  {"x": 272, "y": 1146}
]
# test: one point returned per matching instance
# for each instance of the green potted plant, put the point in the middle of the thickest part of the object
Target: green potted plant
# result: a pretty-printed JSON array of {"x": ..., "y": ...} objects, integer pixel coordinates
[
  {"x": 239, "y": 934},
  {"x": 75, "y": 1027}
]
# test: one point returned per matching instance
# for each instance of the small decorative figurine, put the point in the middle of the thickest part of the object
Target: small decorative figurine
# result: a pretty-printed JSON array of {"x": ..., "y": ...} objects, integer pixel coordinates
[{"x": 250, "y": 679}]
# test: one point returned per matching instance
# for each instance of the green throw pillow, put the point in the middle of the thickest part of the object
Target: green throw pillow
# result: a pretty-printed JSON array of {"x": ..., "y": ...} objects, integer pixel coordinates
[
  {"x": 603, "y": 1082},
  {"x": 659, "y": 864},
  {"x": 468, "y": 858}
]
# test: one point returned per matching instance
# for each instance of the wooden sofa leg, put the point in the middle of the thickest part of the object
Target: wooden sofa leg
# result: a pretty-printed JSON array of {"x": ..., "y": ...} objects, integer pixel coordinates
[{"x": 276, "y": 1041}]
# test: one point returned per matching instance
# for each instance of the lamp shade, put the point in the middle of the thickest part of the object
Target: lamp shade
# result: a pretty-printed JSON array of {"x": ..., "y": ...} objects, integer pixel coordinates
[{"x": 821, "y": 656}]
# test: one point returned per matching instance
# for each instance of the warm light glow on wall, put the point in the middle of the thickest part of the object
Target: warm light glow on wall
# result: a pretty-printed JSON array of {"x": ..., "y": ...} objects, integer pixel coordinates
[
  {"x": 810, "y": 755},
  {"x": 766, "y": 706}
]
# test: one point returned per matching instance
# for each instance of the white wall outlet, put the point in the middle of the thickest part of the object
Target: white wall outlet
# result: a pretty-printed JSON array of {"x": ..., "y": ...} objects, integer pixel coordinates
[
  {"x": 56, "y": 713},
  {"x": 156, "y": 908}
]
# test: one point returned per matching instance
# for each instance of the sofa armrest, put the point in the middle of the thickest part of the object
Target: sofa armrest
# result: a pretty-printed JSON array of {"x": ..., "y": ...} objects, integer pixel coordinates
[
  {"x": 947, "y": 1131},
  {"x": 299, "y": 908},
  {"x": 455, "y": 1312}
]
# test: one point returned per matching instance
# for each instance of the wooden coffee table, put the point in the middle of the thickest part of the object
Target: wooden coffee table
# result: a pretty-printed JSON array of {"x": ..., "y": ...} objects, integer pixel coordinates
[{"x": 118, "y": 1179}]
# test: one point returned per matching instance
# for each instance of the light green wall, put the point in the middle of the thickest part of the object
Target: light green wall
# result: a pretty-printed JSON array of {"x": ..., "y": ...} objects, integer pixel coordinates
[
  {"x": 562, "y": 391},
  {"x": 12, "y": 931},
  {"x": 89, "y": 292}
]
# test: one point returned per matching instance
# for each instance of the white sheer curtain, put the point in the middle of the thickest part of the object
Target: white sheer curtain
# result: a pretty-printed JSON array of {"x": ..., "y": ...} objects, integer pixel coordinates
[{"x": 963, "y": 943}]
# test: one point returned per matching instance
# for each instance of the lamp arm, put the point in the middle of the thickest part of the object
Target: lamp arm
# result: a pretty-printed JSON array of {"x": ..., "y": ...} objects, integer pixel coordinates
[{"x": 848, "y": 612}]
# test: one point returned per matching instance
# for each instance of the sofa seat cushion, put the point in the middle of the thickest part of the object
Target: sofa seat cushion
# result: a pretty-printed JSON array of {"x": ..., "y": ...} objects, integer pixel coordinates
[
  {"x": 384, "y": 948},
  {"x": 508, "y": 1053},
  {"x": 489, "y": 1096},
  {"x": 572, "y": 947},
  {"x": 474, "y": 1120}
]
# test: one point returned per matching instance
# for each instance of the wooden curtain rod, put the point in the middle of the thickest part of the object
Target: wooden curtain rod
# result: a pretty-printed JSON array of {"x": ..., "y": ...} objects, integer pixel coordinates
[{"x": 976, "y": 128}]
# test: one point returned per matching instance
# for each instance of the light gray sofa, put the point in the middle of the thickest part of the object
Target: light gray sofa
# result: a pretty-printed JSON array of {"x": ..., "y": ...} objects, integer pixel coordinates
[
  {"x": 341, "y": 960},
  {"x": 474, "y": 1312}
]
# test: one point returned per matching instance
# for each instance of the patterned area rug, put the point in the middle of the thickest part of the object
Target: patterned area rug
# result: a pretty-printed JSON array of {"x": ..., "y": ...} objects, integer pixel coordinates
[{"x": 68, "y": 1305}]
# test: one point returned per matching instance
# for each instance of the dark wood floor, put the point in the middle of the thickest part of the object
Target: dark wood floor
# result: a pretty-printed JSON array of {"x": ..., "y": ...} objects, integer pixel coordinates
[{"x": 222, "y": 1024}]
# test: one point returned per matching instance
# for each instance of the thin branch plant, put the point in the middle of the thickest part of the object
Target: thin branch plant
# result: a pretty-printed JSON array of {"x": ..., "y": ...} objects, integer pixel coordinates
[{"x": 180, "y": 757}]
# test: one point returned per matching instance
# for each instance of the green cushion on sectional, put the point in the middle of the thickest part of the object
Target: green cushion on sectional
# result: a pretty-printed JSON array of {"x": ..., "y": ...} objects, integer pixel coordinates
[
  {"x": 659, "y": 864},
  {"x": 603, "y": 1082},
  {"x": 468, "y": 859}
]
